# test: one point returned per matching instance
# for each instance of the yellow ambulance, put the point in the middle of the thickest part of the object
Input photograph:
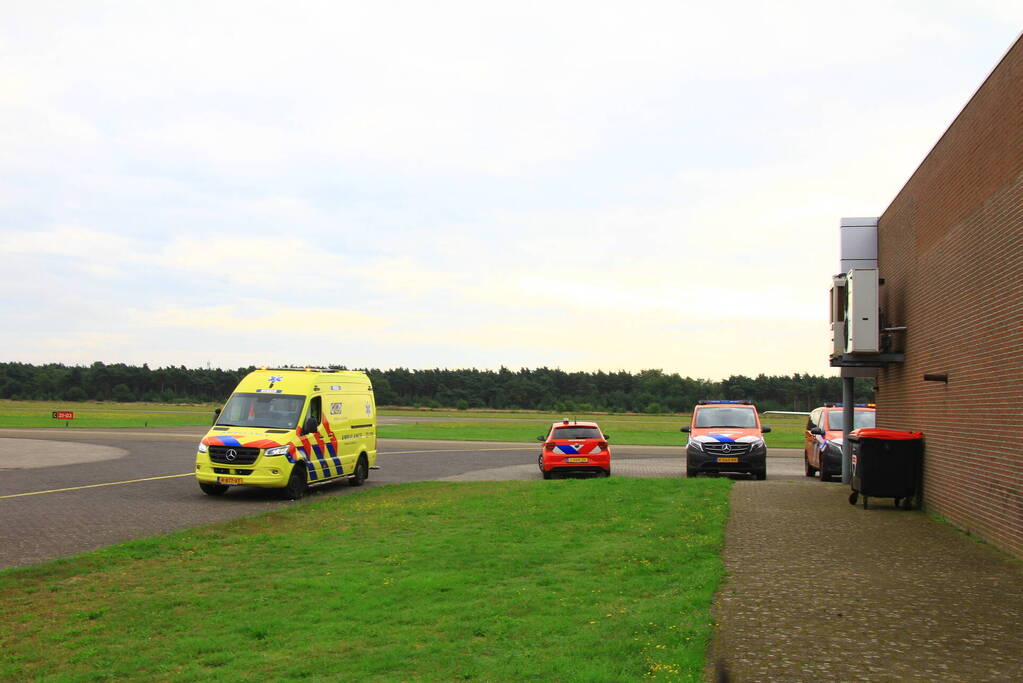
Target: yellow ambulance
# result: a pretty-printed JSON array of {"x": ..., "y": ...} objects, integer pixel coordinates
[{"x": 288, "y": 428}]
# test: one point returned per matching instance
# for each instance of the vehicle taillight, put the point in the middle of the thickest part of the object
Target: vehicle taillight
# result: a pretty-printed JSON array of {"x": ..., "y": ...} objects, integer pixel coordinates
[
  {"x": 602, "y": 445},
  {"x": 549, "y": 445}
]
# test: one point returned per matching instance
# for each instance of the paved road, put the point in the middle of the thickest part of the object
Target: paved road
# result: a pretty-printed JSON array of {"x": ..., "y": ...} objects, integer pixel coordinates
[{"x": 64, "y": 492}]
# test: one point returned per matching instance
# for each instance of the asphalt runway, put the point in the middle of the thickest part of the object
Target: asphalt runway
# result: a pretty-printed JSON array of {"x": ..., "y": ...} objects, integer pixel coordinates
[{"x": 64, "y": 492}]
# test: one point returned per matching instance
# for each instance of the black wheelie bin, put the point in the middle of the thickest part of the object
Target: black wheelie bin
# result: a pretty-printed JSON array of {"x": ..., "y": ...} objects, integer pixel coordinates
[{"x": 886, "y": 464}]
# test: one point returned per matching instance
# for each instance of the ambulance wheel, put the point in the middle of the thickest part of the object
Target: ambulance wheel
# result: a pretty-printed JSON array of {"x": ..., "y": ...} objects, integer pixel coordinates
[
  {"x": 690, "y": 472},
  {"x": 825, "y": 475},
  {"x": 298, "y": 482},
  {"x": 213, "y": 489},
  {"x": 807, "y": 469},
  {"x": 361, "y": 472},
  {"x": 760, "y": 475}
]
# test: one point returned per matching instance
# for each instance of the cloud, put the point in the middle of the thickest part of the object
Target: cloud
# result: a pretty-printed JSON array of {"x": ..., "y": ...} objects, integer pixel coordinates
[{"x": 459, "y": 183}]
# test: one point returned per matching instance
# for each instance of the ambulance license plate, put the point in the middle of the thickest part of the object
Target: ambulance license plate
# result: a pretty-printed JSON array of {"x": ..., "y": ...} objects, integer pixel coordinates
[
  {"x": 229, "y": 480},
  {"x": 728, "y": 460},
  {"x": 577, "y": 459}
]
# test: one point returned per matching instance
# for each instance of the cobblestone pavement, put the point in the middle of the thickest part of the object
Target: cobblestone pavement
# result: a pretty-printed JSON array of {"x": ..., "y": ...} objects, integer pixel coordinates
[{"x": 820, "y": 590}]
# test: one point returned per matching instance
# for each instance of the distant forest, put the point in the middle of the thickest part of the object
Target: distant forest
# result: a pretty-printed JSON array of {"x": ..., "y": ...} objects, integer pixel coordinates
[{"x": 648, "y": 391}]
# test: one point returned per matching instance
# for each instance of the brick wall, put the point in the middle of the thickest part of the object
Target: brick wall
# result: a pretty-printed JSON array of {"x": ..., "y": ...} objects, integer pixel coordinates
[{"x": 950, "y": 248}]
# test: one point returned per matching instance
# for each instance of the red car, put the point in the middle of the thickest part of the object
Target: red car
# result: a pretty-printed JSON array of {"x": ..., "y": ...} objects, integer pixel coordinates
[{"x": 575, "y": 447}]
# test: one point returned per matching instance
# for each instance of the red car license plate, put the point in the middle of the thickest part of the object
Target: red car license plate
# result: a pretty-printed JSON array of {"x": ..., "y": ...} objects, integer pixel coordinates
[{"x": 577, "y": 459}]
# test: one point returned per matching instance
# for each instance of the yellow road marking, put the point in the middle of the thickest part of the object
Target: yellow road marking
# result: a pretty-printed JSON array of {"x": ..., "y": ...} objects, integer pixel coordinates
[
  {"x": 187, "y": 474},
  {"x": 92, "y": 486}
]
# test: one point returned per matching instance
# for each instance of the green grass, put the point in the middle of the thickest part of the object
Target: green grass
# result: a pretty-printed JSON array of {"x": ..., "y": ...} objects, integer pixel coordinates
[
  {"x": 595, "y": 580},
  {"x": 651, "y": 430},
  {"x": 787, "y": 430},
  {"x": 93, "y": 414}
]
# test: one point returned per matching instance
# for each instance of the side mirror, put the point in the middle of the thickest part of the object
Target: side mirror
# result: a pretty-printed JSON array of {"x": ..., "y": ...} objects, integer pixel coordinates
[
  {"x": 817, "y": 431},
  {"x": 764, "y": 429},
  {"x": 541, "y": 438},
  {"x": 310, "y": 425},
  {"x": 216, "y": 415},
  {"x": 607, "y": 437},
  {"x": 683, "y": 429}
]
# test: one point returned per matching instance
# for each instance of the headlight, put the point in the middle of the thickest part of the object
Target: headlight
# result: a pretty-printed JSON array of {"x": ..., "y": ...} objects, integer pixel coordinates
[
  {"x": 757, "y": 444},
  {"x": 695, "y": 444},
  {"x": 277, "y": 450},
  {"x": 202, "y": 448}
]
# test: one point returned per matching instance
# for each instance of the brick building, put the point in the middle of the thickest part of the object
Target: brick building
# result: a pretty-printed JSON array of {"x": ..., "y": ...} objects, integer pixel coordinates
[{"x": 950, "y": 251}]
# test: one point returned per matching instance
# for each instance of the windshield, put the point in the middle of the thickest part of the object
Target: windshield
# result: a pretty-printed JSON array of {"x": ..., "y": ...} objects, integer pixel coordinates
[
  {"x": 745, "y": 418},
  {"x": 576, "y": 433},
  {"x": 275, "y": 411},
  {"x": 861, "y": 418}
]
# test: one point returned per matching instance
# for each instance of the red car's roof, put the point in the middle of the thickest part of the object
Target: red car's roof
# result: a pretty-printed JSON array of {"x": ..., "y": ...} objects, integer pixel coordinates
[
  {"x": 574, "y": 423},
  {"x": 726, "y": 405}
]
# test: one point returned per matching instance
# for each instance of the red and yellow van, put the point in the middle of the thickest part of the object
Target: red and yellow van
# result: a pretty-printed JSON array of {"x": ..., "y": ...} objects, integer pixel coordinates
[
  {"x": 822, "y": 442},
  {"x": 289, "y": 428}
]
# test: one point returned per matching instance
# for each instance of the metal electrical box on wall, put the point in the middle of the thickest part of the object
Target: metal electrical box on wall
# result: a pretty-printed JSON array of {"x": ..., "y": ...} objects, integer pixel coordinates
[
  {"x": 858, "y": 243},
  {"x": 862, "y": 325}
]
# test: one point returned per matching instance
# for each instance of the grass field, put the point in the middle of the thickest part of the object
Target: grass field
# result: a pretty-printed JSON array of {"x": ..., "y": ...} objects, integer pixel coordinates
[
  {"x": 653, "y": 430},
  {"x": 595, "y": 580},
  {"x": 94, "y": 414}
]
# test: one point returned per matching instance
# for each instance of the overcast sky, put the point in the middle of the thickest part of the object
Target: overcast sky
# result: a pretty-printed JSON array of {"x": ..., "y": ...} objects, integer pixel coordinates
[{"x": 584, "y": 185}]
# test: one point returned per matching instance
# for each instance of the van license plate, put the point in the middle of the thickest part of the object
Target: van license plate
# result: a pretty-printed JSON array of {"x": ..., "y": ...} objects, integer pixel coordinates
[
  {"x": 577, "y": 459},
  {"x": 229, "y": 480},
  {"x": 728, "y": 460}
]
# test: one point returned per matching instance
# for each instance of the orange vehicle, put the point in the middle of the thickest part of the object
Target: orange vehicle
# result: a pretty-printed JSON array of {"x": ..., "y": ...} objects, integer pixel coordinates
[
  {"x": 575, "y": 447},
  {"x": 726, "y": 436},
  {"x": 822, "y": 447}
]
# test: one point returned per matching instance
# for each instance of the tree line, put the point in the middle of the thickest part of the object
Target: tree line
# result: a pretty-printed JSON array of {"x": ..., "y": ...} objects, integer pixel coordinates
[{"x": 648, "y": 391}]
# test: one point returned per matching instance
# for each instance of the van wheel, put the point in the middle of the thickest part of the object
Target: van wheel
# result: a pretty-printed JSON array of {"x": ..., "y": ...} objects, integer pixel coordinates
[
  {"x": 825, "y": 475},
  {"x": 213, "y": 489},
  {"x": 808, "y": 470},
  {"x": 760, "y": 475},
  {"x": 361, "y": 472},
  {"x": 690, "y": 472},
  {"x": 298, "y": 482}
]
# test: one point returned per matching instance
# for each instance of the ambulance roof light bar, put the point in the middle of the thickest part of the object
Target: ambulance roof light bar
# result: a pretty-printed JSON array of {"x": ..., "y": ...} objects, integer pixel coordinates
[{"x": 304, "y": 368}]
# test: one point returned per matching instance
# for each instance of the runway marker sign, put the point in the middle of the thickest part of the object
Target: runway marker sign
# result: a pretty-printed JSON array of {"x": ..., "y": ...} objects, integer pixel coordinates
[{"x": 63, "y": 414}]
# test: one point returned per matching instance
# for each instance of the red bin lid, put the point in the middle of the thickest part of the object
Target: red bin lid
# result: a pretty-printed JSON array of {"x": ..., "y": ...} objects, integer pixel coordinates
[{"x": 887, "y": 434}]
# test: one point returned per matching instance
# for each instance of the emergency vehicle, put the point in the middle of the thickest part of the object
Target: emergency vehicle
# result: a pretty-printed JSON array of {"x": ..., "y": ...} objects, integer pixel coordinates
[
  {"x": 288, "y": 428},
  {"x": 726, "y": 436},
  {"x": 822, "y": 443},
  {"x": 575, "y": 447}
]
